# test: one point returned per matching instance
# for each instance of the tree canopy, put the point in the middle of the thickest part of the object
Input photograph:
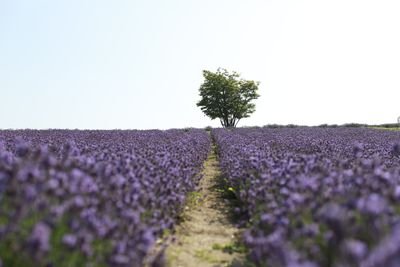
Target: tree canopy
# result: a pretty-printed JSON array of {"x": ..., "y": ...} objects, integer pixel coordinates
[{"x": 226, "y": 96}]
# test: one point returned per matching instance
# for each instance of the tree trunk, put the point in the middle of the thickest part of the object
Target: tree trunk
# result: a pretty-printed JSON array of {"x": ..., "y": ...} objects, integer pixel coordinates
[
  {"x": 222, "y": 122},
  {"x": 237, "y": 122},
  {"x": 229, "y": 123}
]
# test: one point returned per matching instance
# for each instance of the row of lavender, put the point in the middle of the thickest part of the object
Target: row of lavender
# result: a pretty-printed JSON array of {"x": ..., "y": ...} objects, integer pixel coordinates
[
  {"x": 316, "y": 196},
  {"x": 92, "y": 198}
]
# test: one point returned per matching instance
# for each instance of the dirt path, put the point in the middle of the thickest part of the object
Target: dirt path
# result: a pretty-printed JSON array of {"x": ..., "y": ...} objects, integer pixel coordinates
[{"x": 207, "y": 236}]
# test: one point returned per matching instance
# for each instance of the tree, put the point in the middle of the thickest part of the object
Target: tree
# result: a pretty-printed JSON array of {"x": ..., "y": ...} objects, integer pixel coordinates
[{"x": 226, "y": 96}]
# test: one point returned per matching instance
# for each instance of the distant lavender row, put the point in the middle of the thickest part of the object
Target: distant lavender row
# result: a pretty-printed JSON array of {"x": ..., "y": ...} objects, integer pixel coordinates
[
  {"x": 316, "y": 196},
  {"x": 92, "y": 198}
]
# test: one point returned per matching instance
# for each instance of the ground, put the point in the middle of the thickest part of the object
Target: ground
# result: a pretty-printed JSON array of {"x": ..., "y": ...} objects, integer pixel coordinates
[{"x": 207, "y": 236}]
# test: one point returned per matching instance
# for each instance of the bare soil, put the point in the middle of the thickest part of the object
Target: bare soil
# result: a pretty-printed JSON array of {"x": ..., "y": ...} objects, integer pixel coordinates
[{"x": 207, "y": 235}]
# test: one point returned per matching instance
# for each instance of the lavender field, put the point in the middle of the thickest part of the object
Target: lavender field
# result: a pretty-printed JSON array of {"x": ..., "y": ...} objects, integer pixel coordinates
[
  {"x": 316, "y": 196},
  {"x": 92, "y": 198},
  {"x": 305, "y": 196}
]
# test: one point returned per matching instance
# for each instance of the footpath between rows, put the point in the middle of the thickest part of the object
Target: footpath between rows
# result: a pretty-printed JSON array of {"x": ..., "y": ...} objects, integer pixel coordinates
[{"x": 207, "y": 236}]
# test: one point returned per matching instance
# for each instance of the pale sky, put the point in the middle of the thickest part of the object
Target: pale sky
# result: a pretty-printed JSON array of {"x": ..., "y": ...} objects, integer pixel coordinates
[{"x": 94, "y": 64}]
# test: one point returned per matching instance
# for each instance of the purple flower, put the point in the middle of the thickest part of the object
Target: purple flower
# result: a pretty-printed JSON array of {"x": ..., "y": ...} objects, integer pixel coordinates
[
  {"x": 373, "y": 204},
  {"x": 40, "y": 236},
  {"x": 70, "y": 240}
]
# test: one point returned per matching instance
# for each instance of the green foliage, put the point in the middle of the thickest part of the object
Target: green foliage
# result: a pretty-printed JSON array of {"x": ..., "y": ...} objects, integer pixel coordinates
[
  {"x": 226, "y": 96},
  {"x": 233, "y": 247},
  {"x": 354, "y": 125},
  {"x": 193, "y": 198}
]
